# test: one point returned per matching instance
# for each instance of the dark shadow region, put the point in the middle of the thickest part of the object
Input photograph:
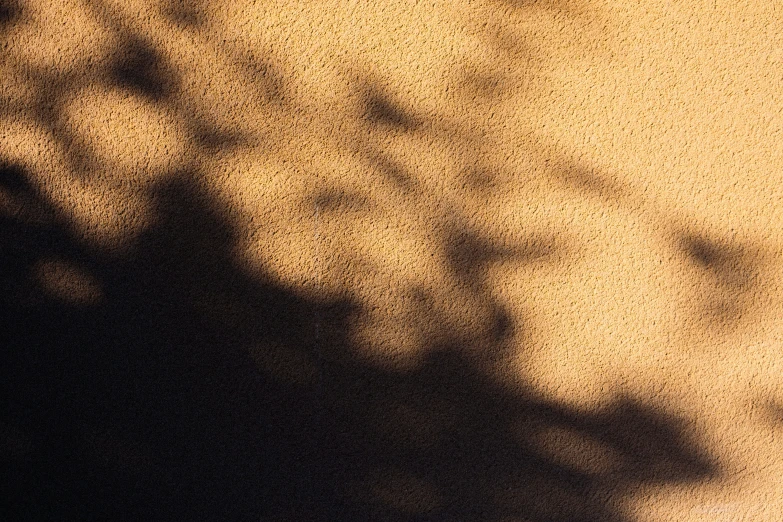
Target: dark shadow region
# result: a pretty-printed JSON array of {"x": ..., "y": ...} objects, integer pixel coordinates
[
  {"x": 380, "y": 109},
  {"x": 141, "y": 69},
  {"x": 10, "y": 12},
  {"x": 194, "y": 390}
]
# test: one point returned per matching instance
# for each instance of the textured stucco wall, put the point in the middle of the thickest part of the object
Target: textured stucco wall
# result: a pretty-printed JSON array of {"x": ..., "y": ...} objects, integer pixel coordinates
[{"x": 405, "y": 260}]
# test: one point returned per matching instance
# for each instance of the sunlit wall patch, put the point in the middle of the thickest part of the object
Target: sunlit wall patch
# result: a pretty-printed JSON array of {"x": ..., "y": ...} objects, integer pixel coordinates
[{"x": 68, "y": 282}]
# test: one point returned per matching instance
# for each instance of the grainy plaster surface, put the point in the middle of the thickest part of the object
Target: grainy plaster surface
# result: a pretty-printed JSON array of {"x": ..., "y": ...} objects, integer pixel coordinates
[{"x": 408, "y": 260}]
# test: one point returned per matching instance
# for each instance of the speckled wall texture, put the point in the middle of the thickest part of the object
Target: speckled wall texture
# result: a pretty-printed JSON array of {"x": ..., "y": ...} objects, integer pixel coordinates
[{"x": 415, "y": 260}]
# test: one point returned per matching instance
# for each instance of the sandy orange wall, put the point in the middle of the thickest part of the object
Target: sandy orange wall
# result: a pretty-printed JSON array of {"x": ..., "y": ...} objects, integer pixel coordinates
[{"x": 580, "y": 201}]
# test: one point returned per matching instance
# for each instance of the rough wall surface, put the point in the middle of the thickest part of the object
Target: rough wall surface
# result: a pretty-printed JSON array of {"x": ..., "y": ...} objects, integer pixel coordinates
[{"x": 485, "y": 260}]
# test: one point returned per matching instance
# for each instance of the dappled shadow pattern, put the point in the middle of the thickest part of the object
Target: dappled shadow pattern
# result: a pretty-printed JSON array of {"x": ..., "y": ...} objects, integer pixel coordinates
[
  {"x": 191, "y": 389},
  {"x": 165, "y": 376}
]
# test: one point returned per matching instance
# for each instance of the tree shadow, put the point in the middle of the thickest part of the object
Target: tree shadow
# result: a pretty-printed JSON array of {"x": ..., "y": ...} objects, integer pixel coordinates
[
  {"x": 172, "y": 382},
  {"x": 192, "y": 389}
]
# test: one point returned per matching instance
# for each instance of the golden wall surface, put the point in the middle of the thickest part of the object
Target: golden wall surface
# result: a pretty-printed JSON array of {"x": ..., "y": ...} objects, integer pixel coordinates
[{"x": 485, "y": 260}]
